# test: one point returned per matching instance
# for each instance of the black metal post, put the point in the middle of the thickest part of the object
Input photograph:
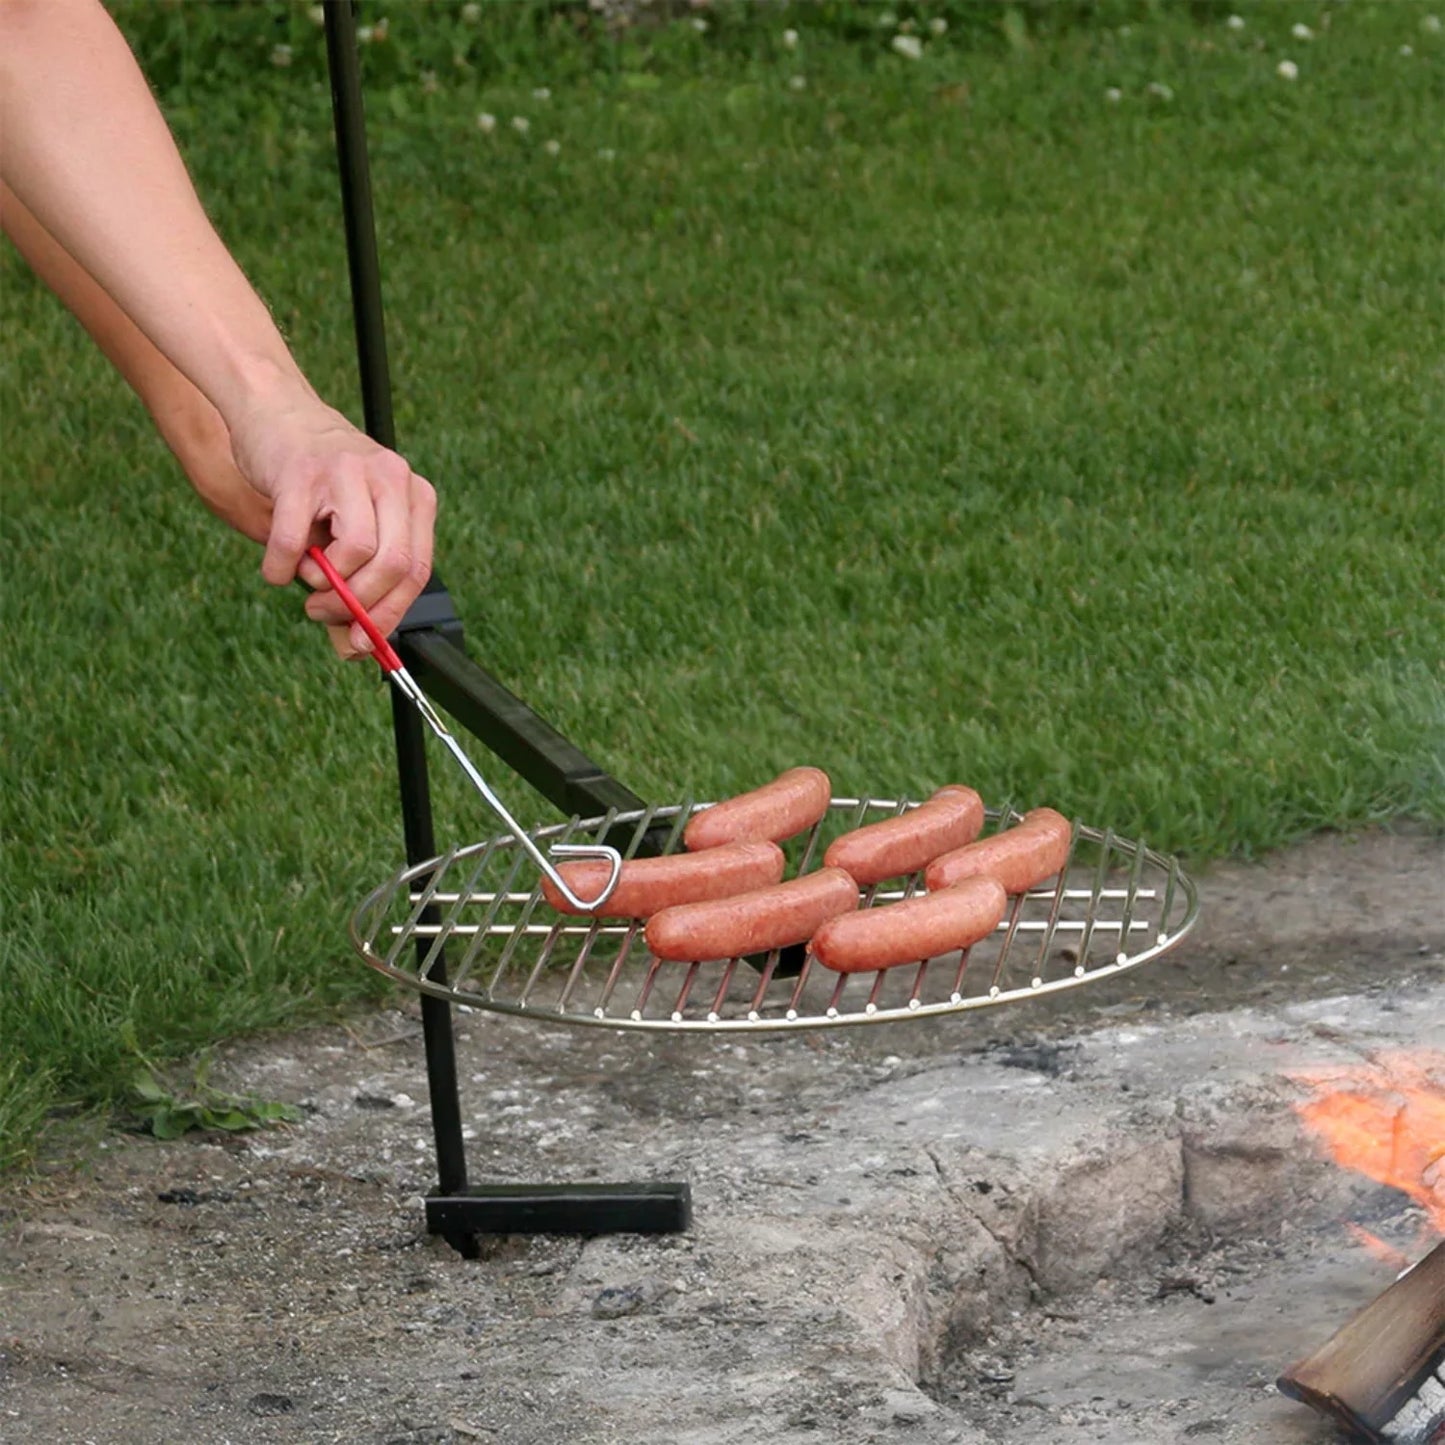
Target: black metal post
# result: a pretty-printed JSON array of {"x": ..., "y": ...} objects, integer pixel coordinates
[
  {"x": 436, "y": 1014},
  {"x": 346, "y": 107},
  {"x": 344, "y": 68},
  {"x": 429, "y": 639},
  {"x": 411, "y": 764}
]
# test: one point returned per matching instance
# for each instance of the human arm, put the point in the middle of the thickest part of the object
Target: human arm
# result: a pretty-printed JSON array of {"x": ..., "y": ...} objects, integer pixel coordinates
[{"x": 89, "y": 158}]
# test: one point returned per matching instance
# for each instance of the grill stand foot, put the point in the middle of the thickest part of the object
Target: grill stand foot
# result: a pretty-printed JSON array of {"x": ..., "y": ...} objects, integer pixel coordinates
[{"x": 661, "y": 1208}]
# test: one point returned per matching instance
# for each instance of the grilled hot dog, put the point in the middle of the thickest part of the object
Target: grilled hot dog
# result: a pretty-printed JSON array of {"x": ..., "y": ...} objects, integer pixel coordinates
[
  {"x": 915, "y": 929},
  {"x": 952, "y": 817},
  {"x": 793, "y": 801},
  {"x": 646, "y": 885},
  {"x": 1020, "y": 857},
  {"x": 752, "y": 922}
]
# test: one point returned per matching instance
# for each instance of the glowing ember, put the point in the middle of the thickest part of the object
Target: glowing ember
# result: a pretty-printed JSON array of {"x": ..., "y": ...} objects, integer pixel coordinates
[
  {"x": 1385, "y": 1120},
  {"x": 1373, "y": 1245}
]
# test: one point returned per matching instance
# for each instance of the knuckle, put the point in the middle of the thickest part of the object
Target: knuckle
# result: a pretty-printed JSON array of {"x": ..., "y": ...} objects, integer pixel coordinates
[
  {"x": 391, "y": 470},
  {"x": 393, "y": 559},
  {"x": 348, "y": 554},
  {"x": 295, "y": 482}
]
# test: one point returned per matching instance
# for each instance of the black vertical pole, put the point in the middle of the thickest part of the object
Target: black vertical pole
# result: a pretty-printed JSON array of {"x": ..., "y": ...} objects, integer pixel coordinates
[
  {"x": 346, "y": 108},
  {"x": 345, "y": 72}
]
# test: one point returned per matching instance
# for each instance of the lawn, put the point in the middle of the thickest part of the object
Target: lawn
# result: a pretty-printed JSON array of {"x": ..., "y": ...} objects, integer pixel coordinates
[{"x": 1059, "y": 413}]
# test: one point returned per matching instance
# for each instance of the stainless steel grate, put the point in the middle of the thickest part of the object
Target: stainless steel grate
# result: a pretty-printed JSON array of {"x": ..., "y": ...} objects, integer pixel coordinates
[{"x": 1117, "y": 905}]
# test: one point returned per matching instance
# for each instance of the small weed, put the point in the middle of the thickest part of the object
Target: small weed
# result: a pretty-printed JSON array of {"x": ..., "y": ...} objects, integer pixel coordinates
[{"x": 167, "y": 1113}]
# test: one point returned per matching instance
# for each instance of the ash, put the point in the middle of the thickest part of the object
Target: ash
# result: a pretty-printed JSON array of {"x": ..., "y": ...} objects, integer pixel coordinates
[{"x": 1089, "y": 1220}]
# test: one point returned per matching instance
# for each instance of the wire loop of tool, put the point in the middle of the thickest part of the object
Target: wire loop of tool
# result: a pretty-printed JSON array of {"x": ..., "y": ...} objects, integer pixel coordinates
[{"x": 392, "y": 667}]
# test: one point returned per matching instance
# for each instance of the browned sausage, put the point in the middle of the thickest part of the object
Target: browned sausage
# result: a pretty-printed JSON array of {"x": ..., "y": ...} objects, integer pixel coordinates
[
  {"x": 917, "y": 928},
  {"x": 646, "y": 885},
  {"x": 793, "y": 801},
  {"x": 752, "y": 922},
  {"x": 1020, "y": 857},
  {"x": 952, "y": 817}
]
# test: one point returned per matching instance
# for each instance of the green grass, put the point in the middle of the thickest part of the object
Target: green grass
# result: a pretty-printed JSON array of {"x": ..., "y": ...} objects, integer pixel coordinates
[{"x": 935, "y": 421}]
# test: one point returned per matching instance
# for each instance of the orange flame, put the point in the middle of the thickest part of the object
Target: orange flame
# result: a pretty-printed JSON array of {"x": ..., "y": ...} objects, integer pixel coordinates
[{"x": 1385, "y": 1120}]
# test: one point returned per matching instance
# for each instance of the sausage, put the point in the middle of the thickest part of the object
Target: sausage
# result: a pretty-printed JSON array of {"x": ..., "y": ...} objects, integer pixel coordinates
[
  {"x": 647, "y": 884},
  {"x": 952, "y": 817},
  {"x": 793, "y": 801},
  {"x": 752, "y": 922},
  {"x": 1020, "y": 857},
  {"x": 915, "y": 929}
]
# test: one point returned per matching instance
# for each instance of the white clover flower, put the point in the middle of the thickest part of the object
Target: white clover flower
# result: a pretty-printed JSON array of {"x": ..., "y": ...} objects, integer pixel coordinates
[
  {"x": 542, "y": 93},
  {"x": 521, "y": 124},
  {"x": 1407, "y": 50},
  {"x": 887, "y": 20},
  {"x": 363, "y": 34},
  {"x": 552, "y": 147},
  {"x": 699, "y": 24},
  {"x": 938, "y": 26},
  {"x": 1235, "y": 22},
  {"x": 380, "y": 30},
  {"x": 1113, "y": 95},
  {"x": 1287, "y": 70},
  {"x": 471, "y": 12},
  {"x": 910, "y": 47},
  {"x": 790, "y": 40},
  {"x": 1430, "y": 24},
  {"x": 798, "y": 82},
  {"x": 281, "y": 55},
  {"x": 317, "y": 15},
  {"x": 1301, "y": 32},
  {"x": 607, "y": 154},
  {"x": 1159, "y": 89},
  {"x": 486, "y": 123}
]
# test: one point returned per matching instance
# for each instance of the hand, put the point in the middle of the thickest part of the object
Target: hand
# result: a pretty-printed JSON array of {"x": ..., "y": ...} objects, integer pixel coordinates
[{"x": 331, "y": 485}]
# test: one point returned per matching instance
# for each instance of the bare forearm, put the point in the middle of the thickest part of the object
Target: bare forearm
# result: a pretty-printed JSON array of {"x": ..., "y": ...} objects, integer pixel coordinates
[
  {"x": 84, "y": 147},
  {"x": 191, "y": 426}
]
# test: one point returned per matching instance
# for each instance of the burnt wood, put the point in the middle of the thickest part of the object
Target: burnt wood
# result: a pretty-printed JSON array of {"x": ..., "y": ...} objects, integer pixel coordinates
[{"x": 1383, "y": 1374}]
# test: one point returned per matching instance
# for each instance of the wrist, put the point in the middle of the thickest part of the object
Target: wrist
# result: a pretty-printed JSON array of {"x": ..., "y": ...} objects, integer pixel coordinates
[
  {"x": 198, "y": 439},
  {"x": 261, "y": 385}
]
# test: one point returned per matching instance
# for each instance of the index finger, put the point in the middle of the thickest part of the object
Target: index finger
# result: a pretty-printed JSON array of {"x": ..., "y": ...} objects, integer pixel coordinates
[{"x": 289, "y": 533}]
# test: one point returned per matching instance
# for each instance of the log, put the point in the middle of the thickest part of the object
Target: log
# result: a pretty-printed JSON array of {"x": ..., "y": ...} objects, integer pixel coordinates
[{"x": 1383, "y": 1374}]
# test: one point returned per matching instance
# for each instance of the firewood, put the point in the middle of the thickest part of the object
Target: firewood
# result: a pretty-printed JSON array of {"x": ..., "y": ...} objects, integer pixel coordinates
[{"x": 1383, "y": 1374}]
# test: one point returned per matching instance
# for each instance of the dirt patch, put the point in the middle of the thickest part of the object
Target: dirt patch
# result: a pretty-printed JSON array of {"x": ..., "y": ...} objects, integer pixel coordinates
[{"x": 916, "y": 1205}]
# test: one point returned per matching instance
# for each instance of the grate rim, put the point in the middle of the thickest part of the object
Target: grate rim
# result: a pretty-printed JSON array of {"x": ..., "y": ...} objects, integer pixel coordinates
[{"x": 514, "y": 955}]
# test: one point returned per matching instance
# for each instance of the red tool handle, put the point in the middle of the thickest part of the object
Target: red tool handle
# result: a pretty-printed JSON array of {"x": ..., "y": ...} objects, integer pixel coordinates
[{"x": 384, "y": 652}]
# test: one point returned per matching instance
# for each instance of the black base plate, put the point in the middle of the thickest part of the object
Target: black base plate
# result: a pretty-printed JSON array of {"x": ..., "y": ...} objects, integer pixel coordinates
[{"x": 661, "y": 1208}]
